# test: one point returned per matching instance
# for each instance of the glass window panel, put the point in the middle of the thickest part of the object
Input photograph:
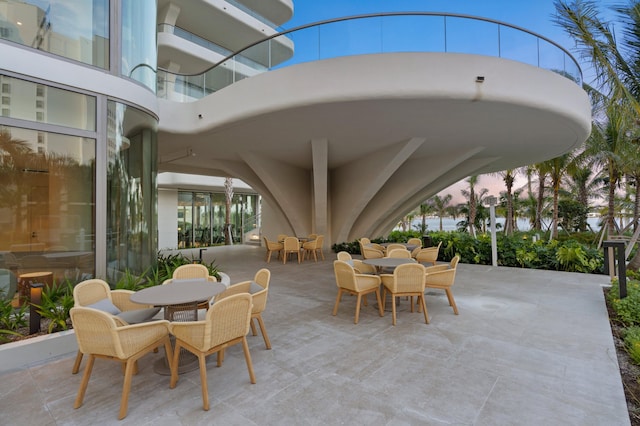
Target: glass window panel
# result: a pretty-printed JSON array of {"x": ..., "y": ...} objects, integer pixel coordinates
[
  {"x": 138, "y": 36},
  {"x": 131, "y": 190},
  {"x": 413, "y": 34},
  {"x": 472, "y": 36},
  {"x": 47, "y": 203},
  {"x": 519, "y": 46},
  {"x": 75, "y": 29},
  {"x": 60, "y": 107},
  {"x": 354, "y": 37}
]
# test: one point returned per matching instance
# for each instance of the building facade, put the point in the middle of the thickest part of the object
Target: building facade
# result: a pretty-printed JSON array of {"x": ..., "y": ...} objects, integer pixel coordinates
[{"x": 115, "y": 115}]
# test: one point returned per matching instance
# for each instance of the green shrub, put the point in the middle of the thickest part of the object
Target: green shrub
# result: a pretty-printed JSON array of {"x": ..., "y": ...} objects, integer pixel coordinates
[
  {"x": 632, "y": 343},
  {"x": 627, "y": 310},
  {"x": 57, "y": 301}
]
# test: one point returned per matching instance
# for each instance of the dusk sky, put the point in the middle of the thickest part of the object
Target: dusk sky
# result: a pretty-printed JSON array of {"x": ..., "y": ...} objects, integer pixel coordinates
[{"x": 533, "y": 15}]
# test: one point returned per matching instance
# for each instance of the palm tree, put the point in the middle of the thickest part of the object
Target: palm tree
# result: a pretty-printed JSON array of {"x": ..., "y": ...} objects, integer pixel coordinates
[
  {"x": 441, "y": 206},
  {"x": 557, "y": 169},
  {"x": 471, "y": 196},
  {"x": 228, "y": 198},
  {"x": 509, "y": 177}
]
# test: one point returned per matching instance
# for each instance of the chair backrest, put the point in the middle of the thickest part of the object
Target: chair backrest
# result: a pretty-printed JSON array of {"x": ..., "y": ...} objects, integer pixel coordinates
[
  {"x": 345, "y": 275},
  {"x": 415, "y": 241},
  {"x": 291, "y": 244},
  {"x": 312, "y": 237},
  {"x": 371, "y": 253},
  {"x": 91, "y": 291},
  {"x": 281, "y": 237},
  {"x": 442, "y": 277},
  {"x": 319, "y": 241},
  {"x": 344, "y": 256},
  {"x": 454, "y": 261},
  {"x": 192, "y": 270},
  {"x": 271, "y": 245},
  {"x": 429, "y": 254},
  {"x": 395, "y": 246},
  {"x": 227, "y": 319},
  {"x": 399, "y": 253},
  {"x": 262, "y": 278},
  {"x": 409, "y": 277},
  {"x": 365, "y": 241},
  {"x": 93, "y": 329}
]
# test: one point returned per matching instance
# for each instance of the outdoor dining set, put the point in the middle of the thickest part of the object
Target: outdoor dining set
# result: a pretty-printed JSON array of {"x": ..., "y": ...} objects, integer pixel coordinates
[
  {"x": 396, "y": 269},
  {"x": 201, "y": 317},
  {"x": 301, "y": 247}
]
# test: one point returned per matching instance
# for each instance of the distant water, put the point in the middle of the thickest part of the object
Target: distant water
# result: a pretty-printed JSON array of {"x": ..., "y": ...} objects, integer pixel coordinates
[{"x": 449, "y": 224}]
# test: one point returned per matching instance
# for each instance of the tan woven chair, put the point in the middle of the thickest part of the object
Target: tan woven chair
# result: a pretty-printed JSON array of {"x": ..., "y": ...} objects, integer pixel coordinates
[
  {"x": 369, "y": 252},
  {"x": 259, "y": 289},
  {"x": 358, "y": 265},
  {"x": 399, "y": 253},
  {"x": 189, "y": 272},
  {"x": 365, "y": 241},
  {"x": 429, "y": 254},
  {"x": 100, "y": 336},
  {"x": 272, "y": 246},
  {"x": 281, "y": 237},
  {"x": 313, "y": 247},
  {"x": 415, "y": 242},
  {"x": 312, "y": 237},
  {"x": 291, "y": 246},
  {"x": 394, "y": 246},
  {"x": 356, "y": 284},
  {"x": 443, "y": 277},
  {"x": 226, "y": 324},
  {"x": 96, "y": 293},
  {"x": 407, "y": 280}
]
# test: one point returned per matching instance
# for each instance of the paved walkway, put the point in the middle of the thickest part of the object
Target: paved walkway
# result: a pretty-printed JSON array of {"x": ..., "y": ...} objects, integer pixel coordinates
[{"x": 528, "y": 348}]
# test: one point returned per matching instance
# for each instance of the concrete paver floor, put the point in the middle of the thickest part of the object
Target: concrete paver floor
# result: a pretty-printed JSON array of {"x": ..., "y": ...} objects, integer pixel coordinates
[{"x": 528, "y": 348}]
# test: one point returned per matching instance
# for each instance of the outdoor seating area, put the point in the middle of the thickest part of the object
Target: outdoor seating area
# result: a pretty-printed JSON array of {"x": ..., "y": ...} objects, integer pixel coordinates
[
  {"x": 529, "y": 347},
  {"x": 300, "y": 248}
]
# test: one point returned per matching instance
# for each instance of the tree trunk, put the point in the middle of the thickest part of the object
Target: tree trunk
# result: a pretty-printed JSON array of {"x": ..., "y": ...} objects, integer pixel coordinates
[
  {"x": 537, "y": 223},
  {"x": 228, "y": 192}
]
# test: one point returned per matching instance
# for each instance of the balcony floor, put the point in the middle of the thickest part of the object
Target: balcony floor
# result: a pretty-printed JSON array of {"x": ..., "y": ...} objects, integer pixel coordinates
[{"x": 529, "y": 348}]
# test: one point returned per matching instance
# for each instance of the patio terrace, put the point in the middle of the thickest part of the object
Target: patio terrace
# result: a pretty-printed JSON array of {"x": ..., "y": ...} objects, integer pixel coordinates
[{"x": 529, "y": 348}]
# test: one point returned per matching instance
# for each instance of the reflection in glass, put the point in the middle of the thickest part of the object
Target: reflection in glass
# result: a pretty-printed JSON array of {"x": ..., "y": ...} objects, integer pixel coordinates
[
  {"x": 75, "y": 29},
  {"x": 47, "y": 203},
  {"x": 139, "y": 53},
  {"x": 131, "y": 190},
  {"x": 201, "y": 218},
  {"x": 52, "y": 105}
]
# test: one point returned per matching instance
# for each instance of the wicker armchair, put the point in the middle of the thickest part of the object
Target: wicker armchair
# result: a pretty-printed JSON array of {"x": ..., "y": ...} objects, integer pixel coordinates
[
  {"x": 407, "y": 280},
  {"x": 415, "y": 242},
  {"x": 226, "y": 324},
  {"x": 356, "y": 284},
  {"x": 259, "y": 289},
  {"x": 370, "y": 252},
  {"x": 429, "y": 255},
  {"x": 399, "y": 253},
  {"x": 358, "y": 265},
  {"x": 443, "y": 277},
  {"x": 272, "y": 246},
  {"x": 313, "y": 247},
  {"x": 189, "y": 272},
  {"x": 97, "y": 293},
  {"x": 99, "y": 335},
  {"x": 291, "y": 246}
]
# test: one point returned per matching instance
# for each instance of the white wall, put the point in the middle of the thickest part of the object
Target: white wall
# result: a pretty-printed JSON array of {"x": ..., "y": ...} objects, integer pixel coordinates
[{"x": 167, "y": 218}]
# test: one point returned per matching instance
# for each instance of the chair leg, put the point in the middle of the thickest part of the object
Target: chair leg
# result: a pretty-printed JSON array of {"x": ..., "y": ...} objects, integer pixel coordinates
[
  {"x": 358, "y": 300},
  {"x": 76, "y": 364},
  {"x": 393, "y": 308},
  {"x": 203, "y": 381},
  {"x": 424, "y": 308},
  {"x": 364, "y": 300},
  {"x": 380, "y": 307},
  {"x": 335, "y": 307},
  {"x": 268, "y": 256},
  {"x": 85, "y": 381},
  {"x": 173, "y": 361},
  {"x": 263, "y": 330},
  {"x": 247, "y": 358},
  {"x": 220, "y": 357},
  {"x": 452, "y": 302},
  {"x": 126, "y": 388},
  {"x": 254, "y": 332}
]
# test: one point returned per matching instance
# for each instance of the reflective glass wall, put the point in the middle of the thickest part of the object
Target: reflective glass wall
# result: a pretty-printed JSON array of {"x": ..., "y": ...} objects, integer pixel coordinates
[
  {"x": 47, "y": 197},
  {"x": 131, "y": 190},
  {"x": 138, "y": 34},
  {"x": 201, "y": 218},
  {"x": 75, "y": 29}
]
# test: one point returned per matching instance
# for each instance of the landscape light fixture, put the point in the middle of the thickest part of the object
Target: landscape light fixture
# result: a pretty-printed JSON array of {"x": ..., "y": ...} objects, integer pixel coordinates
[
  {"x": 480, "y": 79},
  {"x": 35, "y": 300}
]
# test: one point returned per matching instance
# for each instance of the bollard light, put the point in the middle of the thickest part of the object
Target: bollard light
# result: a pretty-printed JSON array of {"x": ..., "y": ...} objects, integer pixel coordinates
[{"x": 35, "y": 297}]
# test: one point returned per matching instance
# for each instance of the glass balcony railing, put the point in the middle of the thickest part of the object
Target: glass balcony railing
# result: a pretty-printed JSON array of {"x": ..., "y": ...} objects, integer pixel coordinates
[{"x": 376, "y": 33}]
